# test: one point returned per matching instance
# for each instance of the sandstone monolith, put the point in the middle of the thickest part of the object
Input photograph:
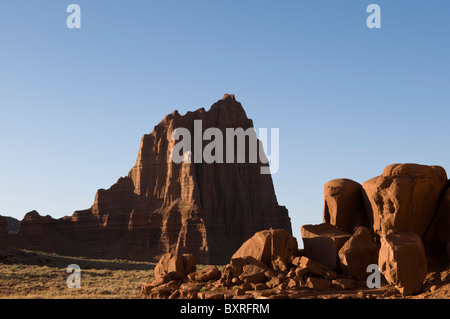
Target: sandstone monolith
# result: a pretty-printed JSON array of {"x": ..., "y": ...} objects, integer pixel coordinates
[{"x": 161, "y": 206}]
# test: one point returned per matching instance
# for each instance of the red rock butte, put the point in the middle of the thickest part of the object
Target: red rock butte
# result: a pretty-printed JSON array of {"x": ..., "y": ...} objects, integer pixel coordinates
[{"x": 207, "y": 210}]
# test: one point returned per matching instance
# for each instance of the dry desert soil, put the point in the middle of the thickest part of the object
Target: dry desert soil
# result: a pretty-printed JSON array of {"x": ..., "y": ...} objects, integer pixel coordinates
[{"x": 36, "y": 275}]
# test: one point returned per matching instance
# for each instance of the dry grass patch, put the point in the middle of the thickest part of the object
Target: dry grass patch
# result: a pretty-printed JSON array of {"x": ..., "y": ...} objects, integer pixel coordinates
[
  {"x": 43, "y": 275},
  {"x": 32, "y": 274}
]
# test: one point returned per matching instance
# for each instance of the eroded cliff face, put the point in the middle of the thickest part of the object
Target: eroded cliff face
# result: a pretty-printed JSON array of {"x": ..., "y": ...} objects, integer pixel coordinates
[
  {"x": 3, "y": 232},
  {"x": 207, "y": 210}
]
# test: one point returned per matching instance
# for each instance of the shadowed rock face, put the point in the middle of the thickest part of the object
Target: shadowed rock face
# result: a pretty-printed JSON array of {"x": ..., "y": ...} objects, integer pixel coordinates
[
  {"x": 344, "y": 204},
  {"x": 440, "y": 228},
  {"x": 3, "y": 232},
  {"x": 207, "y": 210}
]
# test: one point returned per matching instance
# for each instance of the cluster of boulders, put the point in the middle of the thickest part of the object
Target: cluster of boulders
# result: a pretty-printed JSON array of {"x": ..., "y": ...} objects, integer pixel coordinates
[
  {"x": 395, "y": 222},
  {"x": 268, "y": 265},
  {"x": 388, "y": 220}
]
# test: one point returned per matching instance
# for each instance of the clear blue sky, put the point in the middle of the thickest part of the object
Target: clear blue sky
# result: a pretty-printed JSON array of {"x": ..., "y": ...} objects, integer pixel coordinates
[{"x": 348, "y": 100}]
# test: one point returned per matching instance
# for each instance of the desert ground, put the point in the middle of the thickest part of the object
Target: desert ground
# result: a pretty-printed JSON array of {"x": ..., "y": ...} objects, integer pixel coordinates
[{"x": 28, "y": 274}]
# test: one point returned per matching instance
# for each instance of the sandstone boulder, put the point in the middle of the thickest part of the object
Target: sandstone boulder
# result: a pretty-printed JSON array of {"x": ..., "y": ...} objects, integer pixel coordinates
[
  {"x": 344, "y": 205},
  {"x": 189, "y": 264},
  {"x": 162, "y": 279},
  {"x": 344, "y": 283},
  {"x": 232, "y": 272},
  {"x": 189, "y": 290},
  {"x": 402, "y": 261},
  {"x": 160, "y": 292},
  {"x": 278, "y": 264},
  {"x": 357, "y": 253},
  {"x": 292, "y": 283},
  {"x": 146, "y": 288},
  {"x": 258, "y": 247},
  {"x": 322, "y": 243},
  {"x": 246, "y": 286},
  {"x": 206, "y": 274},
  {"x": 169, "y": 264},
  {"x": 300, "y": 272},
  {"x": 177, "y": 267},
  {"x": 253, "y": 274},
  {"x": 318, "y": 283},
  {"x": 404, "y": 197},
  {"x": 296, "y": 260},
  {"x": 271, "y": 247},
  {"x": 315, "y": 268},
  {"x": 259, "y": 286},
  {"x": 274, "y": 281},
  {"x": 283, "y": 246},
  {"x": 249, "y": 260},
  {"x": 237, "y": 266}
]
